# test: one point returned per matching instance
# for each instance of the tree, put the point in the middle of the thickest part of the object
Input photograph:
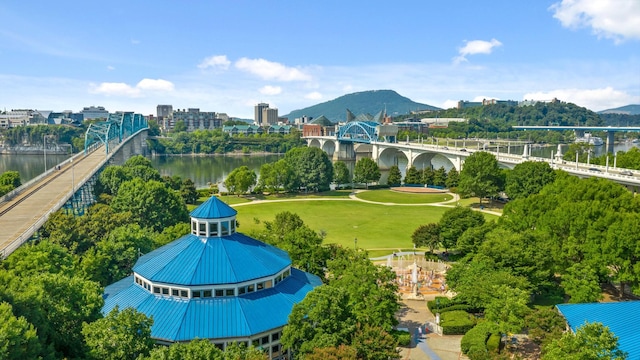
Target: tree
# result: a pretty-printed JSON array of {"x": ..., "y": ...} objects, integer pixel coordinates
[
  {"x": 152, "y": 204},
  {"x": 453, "y": 176},
  {"x": 373, "y": 292},
  {"x": 18, "y": 338},
  {"x": 440, "y": 177},
  {"x": 240, "y": 180},
  {"x": 9, "y": 180},
  {"x": 427, "y": 176},
  {"x": 341, "y": 173},
  {"x": 507, "y": 308},
  {"x": 44, "y": 257},
  {"x": 57, "y": 305},
  {"x": 395, "y": 177},
  {"x": 199, "y": 349},
  {"x": 591, "y": 341},
  {"x": 122, "y": 335},
  {"x": 188, "y": 191},
  {"x": 374, "y": 343},
  {"x": 312, "y": 167},
  {"x": 412, "y": 176},
  {"x": 342, "y": 352},
  {"x": 454, "y": 222},
  {"x": 366, "y": 171},
  {"x": 582, "y": 284},
  {"x": 113, "y": 257},
  {"x": 322, "y": 319},
  {"x": 427, "y": 235},
  {"x": 528, "y": 178},
  {"x": 480, "y": 175}
]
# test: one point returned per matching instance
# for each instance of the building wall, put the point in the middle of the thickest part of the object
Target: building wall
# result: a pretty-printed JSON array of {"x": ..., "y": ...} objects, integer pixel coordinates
[
  {"x": 94, "y": 112},
  {"x": 269, "y": 116},
  {"x": 258, "y": 112}
]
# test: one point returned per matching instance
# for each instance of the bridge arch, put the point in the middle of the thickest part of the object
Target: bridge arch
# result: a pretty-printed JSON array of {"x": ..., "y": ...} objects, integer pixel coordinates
[
  {"x": 329, "y": 147},
  {"x": 314, "y": 143},
  {"x": 359, "y": 131},
  {"x": 389, "y": 156}
]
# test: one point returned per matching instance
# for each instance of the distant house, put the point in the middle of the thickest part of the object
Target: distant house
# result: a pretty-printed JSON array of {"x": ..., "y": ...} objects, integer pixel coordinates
[{"x": 320, "y": 126}]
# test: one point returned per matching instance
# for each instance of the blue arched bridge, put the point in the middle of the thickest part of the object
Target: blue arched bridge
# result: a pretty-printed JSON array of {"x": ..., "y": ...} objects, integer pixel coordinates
[
  {"x": 69, "y": 185},
  {"x": 118, "y": 126}
]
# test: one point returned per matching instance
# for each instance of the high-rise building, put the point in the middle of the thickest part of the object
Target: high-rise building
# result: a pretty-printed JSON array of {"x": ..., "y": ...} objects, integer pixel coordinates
[
  {"x": 163, "y": 111},
  {"x": 258, "y": 112},
  {"x": 269, "y": 117}
]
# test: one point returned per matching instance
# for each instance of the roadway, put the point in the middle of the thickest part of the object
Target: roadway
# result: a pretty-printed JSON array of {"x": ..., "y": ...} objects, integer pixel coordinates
[{"x": 23, "y": 214}]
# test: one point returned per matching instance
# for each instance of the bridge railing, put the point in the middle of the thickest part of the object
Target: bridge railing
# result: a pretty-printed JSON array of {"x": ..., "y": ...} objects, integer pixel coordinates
[
  {"x": 27, "y": 234},
  {"x": 17, "y": 191}
]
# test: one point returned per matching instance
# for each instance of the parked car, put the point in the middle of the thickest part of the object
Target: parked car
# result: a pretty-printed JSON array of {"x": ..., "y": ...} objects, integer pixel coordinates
[
  {"x": 626, "y": 172},
  {"x": 465, "y": 150},
  {"x": 594, "y": 169}
]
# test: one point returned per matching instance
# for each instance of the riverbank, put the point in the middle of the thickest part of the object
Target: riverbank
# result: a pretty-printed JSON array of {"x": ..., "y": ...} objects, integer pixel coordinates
[{"x": 233, "y": 153}]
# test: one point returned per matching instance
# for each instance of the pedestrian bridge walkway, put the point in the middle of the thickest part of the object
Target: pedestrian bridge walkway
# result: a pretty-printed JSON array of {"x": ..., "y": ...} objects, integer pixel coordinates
[
  {"x": 24, "y": 210},
  {"x": 24, "y": 213}
]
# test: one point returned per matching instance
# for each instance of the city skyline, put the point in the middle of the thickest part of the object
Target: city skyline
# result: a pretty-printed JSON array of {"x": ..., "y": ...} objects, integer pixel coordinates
[{"x": 229, "y": 56}]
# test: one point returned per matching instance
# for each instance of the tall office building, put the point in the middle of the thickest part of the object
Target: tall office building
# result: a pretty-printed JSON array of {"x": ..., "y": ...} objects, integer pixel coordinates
[
  {"x": 163, "y": 111},
  {"x": 269, "y": 117},
  {"x": 258, "y": 113}
]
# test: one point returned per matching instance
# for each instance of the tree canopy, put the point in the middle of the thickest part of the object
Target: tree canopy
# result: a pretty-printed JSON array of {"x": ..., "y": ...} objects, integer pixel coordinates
[
  {"x": 480, "y": 176},
  {"x": 366, "y": 171}
]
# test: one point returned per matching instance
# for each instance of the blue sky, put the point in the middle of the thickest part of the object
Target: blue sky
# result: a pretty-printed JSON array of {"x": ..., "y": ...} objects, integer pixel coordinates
[{"x": 226, "y": 56}]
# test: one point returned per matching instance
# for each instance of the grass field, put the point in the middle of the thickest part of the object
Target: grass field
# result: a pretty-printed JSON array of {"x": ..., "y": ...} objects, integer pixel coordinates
[
  {"x": 375, "y": 226},
  {"x": 388, "y": 196}
]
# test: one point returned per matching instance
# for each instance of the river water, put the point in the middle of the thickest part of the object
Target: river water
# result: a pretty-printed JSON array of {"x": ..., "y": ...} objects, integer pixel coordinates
[{"x": 205, "y": 170}]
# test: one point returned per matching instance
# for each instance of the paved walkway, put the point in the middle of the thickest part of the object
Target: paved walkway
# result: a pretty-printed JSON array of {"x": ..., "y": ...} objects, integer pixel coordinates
[{"x": 426, "y": 346}]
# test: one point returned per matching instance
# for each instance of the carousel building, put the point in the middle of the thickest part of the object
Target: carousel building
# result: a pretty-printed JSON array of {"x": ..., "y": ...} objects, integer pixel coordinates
[{"x": 216, "y": 284}]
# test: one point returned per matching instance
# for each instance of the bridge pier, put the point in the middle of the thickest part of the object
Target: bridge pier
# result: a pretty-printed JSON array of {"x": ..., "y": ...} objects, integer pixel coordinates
[
  {"x": 610, "y": 141},
  {"x": 344, "y": 151}
]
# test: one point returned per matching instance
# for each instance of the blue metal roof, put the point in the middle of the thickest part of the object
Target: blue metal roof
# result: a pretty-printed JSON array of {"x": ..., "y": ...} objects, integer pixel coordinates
[
  {"x": 622, "y": 318},
  {"x": 192, "y": 260},
  {"x": 213, "y": 208},
  {"x": 213, "y": 318}
]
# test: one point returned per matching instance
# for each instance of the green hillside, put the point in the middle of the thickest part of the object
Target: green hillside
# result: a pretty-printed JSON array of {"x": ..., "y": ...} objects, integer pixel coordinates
[
  {"x": 633, "y": 109},
  {"x": 366, "y": 102}
]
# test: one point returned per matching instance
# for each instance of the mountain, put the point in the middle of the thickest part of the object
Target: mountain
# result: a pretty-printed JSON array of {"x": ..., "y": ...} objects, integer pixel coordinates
[
  {"x": 365, "y": 102},
  {"x": 627, "y": 110}
]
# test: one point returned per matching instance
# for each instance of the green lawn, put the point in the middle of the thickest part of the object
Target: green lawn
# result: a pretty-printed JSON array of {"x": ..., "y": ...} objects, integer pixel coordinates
[
  {"x": 375, "y": 226},
  {"x": 388, "y": 196}
]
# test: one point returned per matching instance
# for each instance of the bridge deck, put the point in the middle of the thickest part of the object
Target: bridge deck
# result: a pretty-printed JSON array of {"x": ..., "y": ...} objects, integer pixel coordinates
[{"x": 21, "y": 216}]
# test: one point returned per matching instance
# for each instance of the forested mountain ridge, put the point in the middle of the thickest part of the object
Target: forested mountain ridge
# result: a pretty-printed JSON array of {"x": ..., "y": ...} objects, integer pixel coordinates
[
  {"x": 365, "y": 102},
  {"x": 632, "y": 109}
]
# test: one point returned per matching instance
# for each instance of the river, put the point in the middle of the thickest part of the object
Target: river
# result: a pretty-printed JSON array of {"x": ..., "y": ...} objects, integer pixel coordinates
[{"x": 205, "y": 170}]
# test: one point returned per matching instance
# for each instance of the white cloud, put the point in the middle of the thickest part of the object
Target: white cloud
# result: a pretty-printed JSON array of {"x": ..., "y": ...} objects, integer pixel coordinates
[
  {"x": 123, "y": 89},
  {"x": 215, "y": 61},
  {"x": 270, "y": 70},
  {"x": 594, "y": 99},
  {"x": 448, "y": 104},
  {"x": 110, "y": 68},
  {"x": 313, "y": 96},
  {"x": 612, "y": 19},
  {"x": 155, "y": 85},
  {"x": 476, "y": 47},
  {"x": 270, "y": 90}
]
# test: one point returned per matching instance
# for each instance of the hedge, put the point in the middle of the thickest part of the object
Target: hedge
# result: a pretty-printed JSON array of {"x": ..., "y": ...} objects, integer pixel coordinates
[
  {"x": 475, "y": 343},
  {"x": 493, "y": 344},
  {"x": 402, "y": 337},
  {"x": 447, "y": 304},
  {"x": 456, "y": 322}
]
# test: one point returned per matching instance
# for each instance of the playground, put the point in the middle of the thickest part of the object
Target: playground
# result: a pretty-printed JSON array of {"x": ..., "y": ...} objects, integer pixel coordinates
[{"x": 416, "y": 276}]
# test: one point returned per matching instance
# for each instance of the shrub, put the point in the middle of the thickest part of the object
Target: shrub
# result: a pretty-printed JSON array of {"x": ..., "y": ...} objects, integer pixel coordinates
[
  {"x": 431, "y": 256},
  {"x": 493, "y": 344},
  {"x": 440, "y": 302},
  {"x": 474, "y": 342},
  {"x": 456, "y": 322},
  {"x": 402, "y": 337}
]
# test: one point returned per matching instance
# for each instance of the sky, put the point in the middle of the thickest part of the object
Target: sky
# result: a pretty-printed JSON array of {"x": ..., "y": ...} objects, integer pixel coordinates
[{"x": 227, "y": 56}]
